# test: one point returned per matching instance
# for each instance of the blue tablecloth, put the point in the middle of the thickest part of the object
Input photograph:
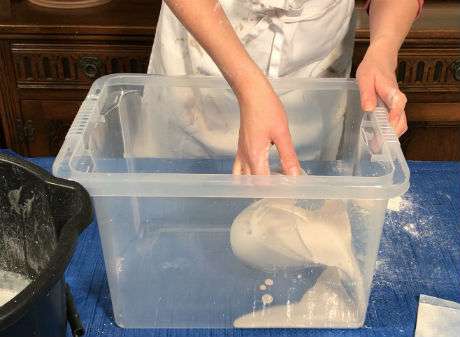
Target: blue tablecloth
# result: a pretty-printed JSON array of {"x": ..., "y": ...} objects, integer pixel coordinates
[{"x": 419, "y": 254}]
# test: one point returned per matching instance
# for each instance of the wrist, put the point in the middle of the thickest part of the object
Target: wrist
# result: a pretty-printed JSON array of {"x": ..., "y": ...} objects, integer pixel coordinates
[
  {"x": 249, "y": 84},
  {"x": 385, "y": 50}
]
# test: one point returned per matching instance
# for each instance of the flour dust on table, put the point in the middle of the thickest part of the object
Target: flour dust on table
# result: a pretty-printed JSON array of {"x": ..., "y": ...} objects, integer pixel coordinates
[
  {"x": 11, "y": 284},
  {"x": 399, "y": 204},
  {"x": 272, "y": 235}
]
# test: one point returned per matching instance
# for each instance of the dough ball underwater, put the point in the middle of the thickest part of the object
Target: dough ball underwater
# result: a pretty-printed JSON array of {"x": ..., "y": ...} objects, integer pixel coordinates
[{"x": 273, "y": 234}]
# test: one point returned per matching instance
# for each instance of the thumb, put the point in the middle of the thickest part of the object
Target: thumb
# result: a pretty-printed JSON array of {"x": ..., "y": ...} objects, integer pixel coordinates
[
  {"x": 366, "y": 85},
  {"x": 288, "y": 157},
  {"x": 394, "y": 99}
]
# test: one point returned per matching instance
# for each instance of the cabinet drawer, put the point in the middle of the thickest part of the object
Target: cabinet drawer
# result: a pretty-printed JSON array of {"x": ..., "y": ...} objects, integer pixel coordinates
[
  {"x": 74, "y": 65},
  {"x": 44, "y": 125},
  {"x": 426, "y": 142}
]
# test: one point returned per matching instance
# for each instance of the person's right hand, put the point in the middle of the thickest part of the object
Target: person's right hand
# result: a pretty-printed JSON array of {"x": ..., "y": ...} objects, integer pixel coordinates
[
  {"x": 263, "y": 123},
  {"x": 263, "y": 120}
]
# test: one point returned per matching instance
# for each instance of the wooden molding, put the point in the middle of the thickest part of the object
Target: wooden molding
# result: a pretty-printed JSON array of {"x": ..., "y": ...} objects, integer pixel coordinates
[
  {"x": 69, "y": 4},
  {"x": 64, "y": 65}
]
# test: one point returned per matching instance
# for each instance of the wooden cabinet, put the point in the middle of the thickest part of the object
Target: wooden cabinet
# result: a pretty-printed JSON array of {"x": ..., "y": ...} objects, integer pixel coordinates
[
  {"x": 49, "y": 59},
  {"x": 44, "y": 72}
]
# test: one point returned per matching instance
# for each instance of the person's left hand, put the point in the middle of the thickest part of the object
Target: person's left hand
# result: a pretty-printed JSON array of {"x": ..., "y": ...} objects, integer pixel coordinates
[{"x": 376, "y": 78}]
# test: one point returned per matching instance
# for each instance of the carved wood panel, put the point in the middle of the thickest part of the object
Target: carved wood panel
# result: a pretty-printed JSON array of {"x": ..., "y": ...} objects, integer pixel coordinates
[
  {"x": 76, "y": 65},
  {"x": 424, "y": 70},
  {"x": 438, "y": 70}
]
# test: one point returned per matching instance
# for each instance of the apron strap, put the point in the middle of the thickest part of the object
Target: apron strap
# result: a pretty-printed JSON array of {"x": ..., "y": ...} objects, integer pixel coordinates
[
  {"x": 276, "y": 50},
  {"x": 275, "y": 25}
]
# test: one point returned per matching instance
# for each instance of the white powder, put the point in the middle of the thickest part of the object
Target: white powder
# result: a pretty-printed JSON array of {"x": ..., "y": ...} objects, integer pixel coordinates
[
  {"x": 411, "y": 229},
  {"x": 14, "y": 197},
  {"x": 11, "y": 284},
  {"x": 6, "y": 295},
  {"x": 398, "y": 204}
]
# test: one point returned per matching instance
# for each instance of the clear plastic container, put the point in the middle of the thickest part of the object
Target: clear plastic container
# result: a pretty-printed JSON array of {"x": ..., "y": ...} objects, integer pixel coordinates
[{"x": 186, "y": 244}]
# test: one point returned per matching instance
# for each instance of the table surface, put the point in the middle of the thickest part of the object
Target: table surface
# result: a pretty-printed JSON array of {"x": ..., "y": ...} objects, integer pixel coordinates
[{"x": 419, "y": 254}]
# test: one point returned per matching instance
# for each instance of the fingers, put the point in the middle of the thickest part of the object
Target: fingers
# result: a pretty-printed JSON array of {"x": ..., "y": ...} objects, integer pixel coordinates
[
  {"x": 246, "y": 170},
  {"x": 401, "y": 127},
  {"x": 257, "y": 163},
  {"x": 397, "y": 104},
  {"x": 395, "y": 101},
  {"x": 262, "y": 168},
  {"x": 237, "y": 167},
  {"x": 366, "y": 85},
  {"x": 244, "y": 166},
  {"x": 288, "y": 157}
]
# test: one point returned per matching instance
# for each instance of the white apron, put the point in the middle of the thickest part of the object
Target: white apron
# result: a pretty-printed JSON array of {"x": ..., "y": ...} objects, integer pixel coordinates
[{"x": 286, "y": 38}]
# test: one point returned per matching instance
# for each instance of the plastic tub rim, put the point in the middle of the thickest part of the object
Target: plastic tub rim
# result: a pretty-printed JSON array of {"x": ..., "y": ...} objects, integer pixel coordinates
[{"x": 108, "y": 184}]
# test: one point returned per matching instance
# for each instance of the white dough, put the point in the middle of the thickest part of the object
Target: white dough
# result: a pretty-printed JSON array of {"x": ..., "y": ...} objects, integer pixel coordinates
[
  {"x": 274, "y": 234},
  {"x": 326, "y": 304}
]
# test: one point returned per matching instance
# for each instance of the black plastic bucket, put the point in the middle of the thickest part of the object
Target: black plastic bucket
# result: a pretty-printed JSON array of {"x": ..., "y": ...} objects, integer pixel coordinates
[{"x": 41, "y": 218}]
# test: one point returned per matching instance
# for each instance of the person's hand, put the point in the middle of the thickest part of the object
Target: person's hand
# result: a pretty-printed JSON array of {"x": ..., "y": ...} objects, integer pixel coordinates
[
  {"x": 263, "y": 123},
  {"x": 376, "y": 78}
]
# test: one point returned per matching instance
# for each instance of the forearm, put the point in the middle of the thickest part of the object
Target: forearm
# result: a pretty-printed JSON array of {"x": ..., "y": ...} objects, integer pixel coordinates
[
  {"x": 207, "y": 22},
  {"x": 390, "y": 22}
]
